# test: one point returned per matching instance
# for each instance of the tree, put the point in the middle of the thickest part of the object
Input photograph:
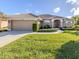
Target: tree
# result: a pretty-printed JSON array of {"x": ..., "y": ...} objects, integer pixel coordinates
[{"x": 76, "y": 19}]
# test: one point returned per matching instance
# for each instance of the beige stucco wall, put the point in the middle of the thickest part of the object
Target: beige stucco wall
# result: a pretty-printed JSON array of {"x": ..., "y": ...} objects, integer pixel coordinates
[
  {"x": 4, "y": 24},
  {"x": 68, "y": 23},
  {"x": 22, "y": 25},
  {"x": 47, "y": 22}
]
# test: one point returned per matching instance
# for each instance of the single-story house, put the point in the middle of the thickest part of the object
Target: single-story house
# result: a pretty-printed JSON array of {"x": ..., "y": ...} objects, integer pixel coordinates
[
  {"x": 3, "y": 21},
  {"x": 25, "y": 21}
]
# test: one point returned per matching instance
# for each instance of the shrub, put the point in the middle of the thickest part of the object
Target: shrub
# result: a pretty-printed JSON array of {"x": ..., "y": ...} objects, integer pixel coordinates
[
  {"x": 4, "y": 29},
  {"x": 47, "y": 27},
  {"x": 76, "y": 27},
  {"x": 35, "y": 27},
  {"x": 47, "y": 30}
]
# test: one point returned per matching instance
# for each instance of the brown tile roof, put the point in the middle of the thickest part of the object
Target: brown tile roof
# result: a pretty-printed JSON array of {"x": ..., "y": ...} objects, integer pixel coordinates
[
  {"x": 28, "y": 16},
  {"x": 48, "y": 16},
  {"x": 31, "y": 16}
]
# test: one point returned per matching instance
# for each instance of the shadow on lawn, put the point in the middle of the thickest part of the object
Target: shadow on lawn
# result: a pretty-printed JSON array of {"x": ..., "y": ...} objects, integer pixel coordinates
[
  {"x": 70, "y": 32},
  {"x": 69, "y": 50},
  {"x": 75, "y": 33}
]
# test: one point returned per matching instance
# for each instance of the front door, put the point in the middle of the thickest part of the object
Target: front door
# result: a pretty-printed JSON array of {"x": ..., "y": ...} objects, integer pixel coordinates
[{"x": 57, "y": 24}]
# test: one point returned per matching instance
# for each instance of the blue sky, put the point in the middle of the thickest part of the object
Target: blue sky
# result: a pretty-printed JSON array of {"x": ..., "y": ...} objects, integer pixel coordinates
[{"x": 65, "y": 8}]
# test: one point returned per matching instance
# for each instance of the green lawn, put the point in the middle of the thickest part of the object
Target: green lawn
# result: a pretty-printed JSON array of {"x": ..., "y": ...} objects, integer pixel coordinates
[{"x": 43, "y": 46}]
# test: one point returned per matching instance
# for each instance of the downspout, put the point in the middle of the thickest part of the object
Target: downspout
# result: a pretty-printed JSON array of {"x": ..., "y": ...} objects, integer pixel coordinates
[
  {"x": 11, "y": 25},
  {"x": 0, "y": 24}
]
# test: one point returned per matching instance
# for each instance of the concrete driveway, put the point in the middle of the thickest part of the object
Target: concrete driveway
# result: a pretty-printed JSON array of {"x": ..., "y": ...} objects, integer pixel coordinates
[{"x": 10, "y": 36}]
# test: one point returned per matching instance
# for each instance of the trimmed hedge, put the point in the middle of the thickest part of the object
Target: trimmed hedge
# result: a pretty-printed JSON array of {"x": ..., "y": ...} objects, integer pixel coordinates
[
  {"x": 35, "y": 27},
  {"x": 47, "y": 30}
]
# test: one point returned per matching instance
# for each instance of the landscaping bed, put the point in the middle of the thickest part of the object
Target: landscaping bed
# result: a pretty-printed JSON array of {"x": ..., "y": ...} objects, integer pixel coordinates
[
  {"x": 3, "y": 29},
  {"x": 47, "y": 30}
]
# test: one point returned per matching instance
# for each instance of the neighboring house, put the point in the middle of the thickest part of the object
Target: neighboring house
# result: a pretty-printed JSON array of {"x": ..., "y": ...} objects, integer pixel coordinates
[
  {"x": 25, "y": 21},
  {"x": 3, "y": 21}
]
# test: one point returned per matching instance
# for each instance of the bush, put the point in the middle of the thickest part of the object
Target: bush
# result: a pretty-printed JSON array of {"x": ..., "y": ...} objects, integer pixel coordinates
[
  {"x": 47, "y": 30},
  {"x": 47, "y": 27},
  {"x": 3, "y": 29},
  {"x": 76, "y": 27},
  {"x": 35, "y": 27}
]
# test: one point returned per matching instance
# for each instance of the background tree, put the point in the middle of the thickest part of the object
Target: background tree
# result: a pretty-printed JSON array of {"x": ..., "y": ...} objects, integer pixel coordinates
[
  {"x": 76, "y": 21},
  {"x": 3, "y": 16}
]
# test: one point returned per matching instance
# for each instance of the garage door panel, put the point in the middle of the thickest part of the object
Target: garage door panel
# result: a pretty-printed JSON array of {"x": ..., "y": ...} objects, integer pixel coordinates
[{"x": 22, "y": 25}]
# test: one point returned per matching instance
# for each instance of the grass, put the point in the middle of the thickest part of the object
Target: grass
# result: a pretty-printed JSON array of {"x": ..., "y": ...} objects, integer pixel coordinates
[
  {"x": 72, "y": 32},
  {"x": 43, "y": 46}
]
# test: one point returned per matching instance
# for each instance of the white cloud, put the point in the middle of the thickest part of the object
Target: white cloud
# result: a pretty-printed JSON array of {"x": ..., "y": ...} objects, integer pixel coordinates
[
  {"x": 78, "y": 3},
  {"x": 72, "y": 1},
  {"x": 69, "y": 16},
  {"x": 56, "y": 10},
  {"x": 76, "y": 11},
  {"x": 17, "y": 13},
  {"x": 72, "y": 10},
  {"x": 75, "y": 4},
  {"x": 37, "y": 11}
]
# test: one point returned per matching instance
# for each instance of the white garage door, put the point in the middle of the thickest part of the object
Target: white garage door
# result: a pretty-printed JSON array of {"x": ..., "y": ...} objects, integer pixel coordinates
[{"x": 22, "y": 25}]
